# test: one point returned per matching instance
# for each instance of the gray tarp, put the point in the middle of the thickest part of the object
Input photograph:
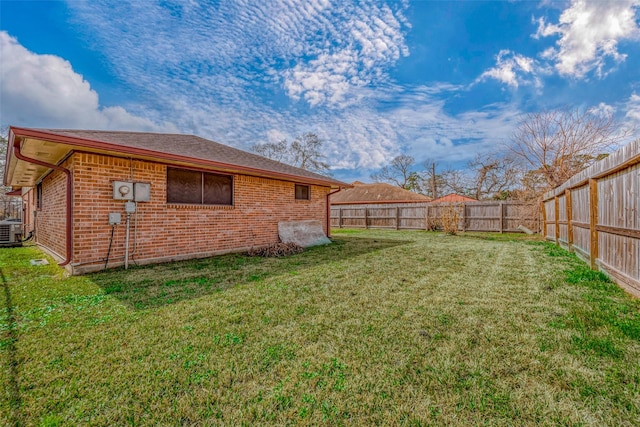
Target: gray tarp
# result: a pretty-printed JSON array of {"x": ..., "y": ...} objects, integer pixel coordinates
[{"x": 304, "y": 233}]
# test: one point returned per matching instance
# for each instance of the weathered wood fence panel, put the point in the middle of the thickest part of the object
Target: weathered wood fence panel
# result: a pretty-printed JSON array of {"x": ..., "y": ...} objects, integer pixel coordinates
[
  {"x": 597, "y": 214},
  {"x": 392, "y": 216},
  {"x": 351, "y": 217},
  {"x": 471, "y": 216},
  {"x": 483, "y": 217},
  {"x": 517, "y": 214},
  {"x": 563, "y": 232},
  {"x": 412, "y": 218},
  {"x": 580, "y": 219}
]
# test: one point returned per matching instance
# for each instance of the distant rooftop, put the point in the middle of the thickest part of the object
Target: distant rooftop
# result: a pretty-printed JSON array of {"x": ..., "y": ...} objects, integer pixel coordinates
[
  {"x": 454, "y": 198},
  {"x": 376, "y": 193}
]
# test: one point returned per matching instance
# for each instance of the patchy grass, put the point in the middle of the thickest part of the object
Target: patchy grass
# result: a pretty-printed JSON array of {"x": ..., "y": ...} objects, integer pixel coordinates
[{"x": 380, "y": 328}]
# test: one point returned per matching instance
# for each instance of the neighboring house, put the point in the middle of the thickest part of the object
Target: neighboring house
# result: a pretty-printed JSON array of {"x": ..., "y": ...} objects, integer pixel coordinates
[
  {"x": 193, "y": 197},
  {"x": 376, "y": 193},
  {"x": 454, "y": 198}
]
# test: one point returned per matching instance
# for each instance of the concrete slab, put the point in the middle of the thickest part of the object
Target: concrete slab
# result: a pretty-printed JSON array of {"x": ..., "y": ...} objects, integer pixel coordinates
[{"x": 304, "y": 233}]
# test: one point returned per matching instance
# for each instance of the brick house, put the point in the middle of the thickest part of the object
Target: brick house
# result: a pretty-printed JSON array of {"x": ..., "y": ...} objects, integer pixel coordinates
[{"x": 192, "y": 197}]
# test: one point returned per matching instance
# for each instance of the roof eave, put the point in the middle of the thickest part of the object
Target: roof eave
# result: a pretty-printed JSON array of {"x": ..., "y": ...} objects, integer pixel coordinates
[{"x": 135, "y": 151}]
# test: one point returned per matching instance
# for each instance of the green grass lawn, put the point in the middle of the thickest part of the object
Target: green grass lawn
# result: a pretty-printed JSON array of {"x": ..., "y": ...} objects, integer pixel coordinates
[{"x": 379, "y": 328}]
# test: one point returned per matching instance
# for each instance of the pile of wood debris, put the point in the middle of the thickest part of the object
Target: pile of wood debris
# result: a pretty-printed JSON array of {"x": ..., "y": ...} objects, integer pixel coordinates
[{"x": 276, "y": 250}]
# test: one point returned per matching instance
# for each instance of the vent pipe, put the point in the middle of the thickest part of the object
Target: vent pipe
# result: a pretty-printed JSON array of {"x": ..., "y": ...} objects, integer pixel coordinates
[{"x": 329, "y": 210}]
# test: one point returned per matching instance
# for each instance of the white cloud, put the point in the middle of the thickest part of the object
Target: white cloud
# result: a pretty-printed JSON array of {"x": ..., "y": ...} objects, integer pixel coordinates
[
  {"x": 44, "y": 91},
  {"x": 313, "y": 50},
  {"x": 633, "y": 109},
  {"x": 589, "y": 32},
  {"x": 420, "y": 126},
  {"x": 215, "y": 71},
  {"x": 276, "y": 135},
  {"x": 323, "y": 81},
  {"x": 459, "y": 138},
  {"x": 367, "y": 40},
  {"x": 361, "y": 137},
  {"x": 513, "y": 69},
  {"x": 603, "y": 109}
]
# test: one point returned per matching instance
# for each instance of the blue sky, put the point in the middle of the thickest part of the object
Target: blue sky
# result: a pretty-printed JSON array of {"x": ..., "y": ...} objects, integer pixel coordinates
[{"x": 438, "y": 80}]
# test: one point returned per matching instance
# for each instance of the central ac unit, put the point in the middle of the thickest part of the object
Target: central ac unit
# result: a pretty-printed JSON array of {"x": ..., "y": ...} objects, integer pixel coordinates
[{"x": 10, "y": 232}]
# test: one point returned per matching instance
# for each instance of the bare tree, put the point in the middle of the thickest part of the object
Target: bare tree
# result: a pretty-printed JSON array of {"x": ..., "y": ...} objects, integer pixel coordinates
[
  {"x": 558, "y": 144},
  {"x": 532, "y": 186},
  {"x": 432, "y": 180},
  {"x": 399, "y": 173},
  {"x": 304, "y": 152},
  {"x": 278, "y": 151},
  {"x": 437, "y": 183},
  {"x": 455, "y": 181},
  {"x": 494, "y": 176},
  {"x": 487, "y": 176}
]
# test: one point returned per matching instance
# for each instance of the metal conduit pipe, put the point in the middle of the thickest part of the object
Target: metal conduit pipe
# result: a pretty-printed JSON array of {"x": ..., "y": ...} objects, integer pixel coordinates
[{"x": 329, "y": 211}]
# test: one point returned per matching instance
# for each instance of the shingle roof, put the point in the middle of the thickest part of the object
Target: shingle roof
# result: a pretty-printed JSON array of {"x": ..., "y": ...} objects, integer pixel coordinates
[
  {"x": 376, "y": 193},
  {"x": 189, "y": 147},
  {"x": 454, "y": 198}
]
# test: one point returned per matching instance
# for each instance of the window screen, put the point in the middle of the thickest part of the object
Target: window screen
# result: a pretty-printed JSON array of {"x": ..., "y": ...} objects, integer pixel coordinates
[
  {"x": 302, "y": 192},
  {"x": 217, "y": 189},
  {"x": 198, "y": 188}
]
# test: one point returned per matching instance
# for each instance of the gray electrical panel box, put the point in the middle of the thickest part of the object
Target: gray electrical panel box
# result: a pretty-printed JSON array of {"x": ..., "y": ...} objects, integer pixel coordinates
[
  {"x": 122, "y": 190},
  {"x": 141, "y": 191},
  {"x": 114, "y": 218}
]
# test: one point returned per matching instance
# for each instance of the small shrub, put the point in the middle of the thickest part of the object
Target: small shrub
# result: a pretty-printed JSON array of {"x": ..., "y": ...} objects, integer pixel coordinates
[
  {"x": 450, "y": 218},
  {"x": 445, "y": 217}
]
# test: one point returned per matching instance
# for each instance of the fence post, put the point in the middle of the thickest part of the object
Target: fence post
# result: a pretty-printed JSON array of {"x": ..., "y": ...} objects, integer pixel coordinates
[
  {"x": 544, "y": 219},
  {"x": 593, "y": 221},
  {"x": 426, "y": 218},
  {"x": 556, "y": 219},
  {"x": 397, "y": 217},
  {"x": 464, "y": 217},
  {"x": 501, "y": 206},
  {"x": 567, "y": 201},
  {"x": 339, "y": 217},
  {"x": 366, "y": 217}
]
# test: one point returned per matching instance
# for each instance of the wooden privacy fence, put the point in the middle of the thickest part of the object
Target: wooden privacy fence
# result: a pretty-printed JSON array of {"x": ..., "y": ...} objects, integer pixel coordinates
[
  {"x": 493, "y": 216},
  {"x": 596, "y": 214}
]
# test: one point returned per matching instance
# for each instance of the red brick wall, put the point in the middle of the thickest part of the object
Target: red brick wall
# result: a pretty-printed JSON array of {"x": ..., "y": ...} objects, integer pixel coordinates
[
  {"x": 166, "y": 231},
  {"x": 28, "y": 206},
  {"x": 50, "y": 218}
]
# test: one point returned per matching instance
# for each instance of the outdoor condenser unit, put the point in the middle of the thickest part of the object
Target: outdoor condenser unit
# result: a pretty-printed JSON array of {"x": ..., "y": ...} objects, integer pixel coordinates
[{"x": 10, "y": 232}]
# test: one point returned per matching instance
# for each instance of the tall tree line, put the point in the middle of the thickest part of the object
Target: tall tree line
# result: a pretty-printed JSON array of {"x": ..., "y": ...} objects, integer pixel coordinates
[{"x": 546, "y": 149}]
